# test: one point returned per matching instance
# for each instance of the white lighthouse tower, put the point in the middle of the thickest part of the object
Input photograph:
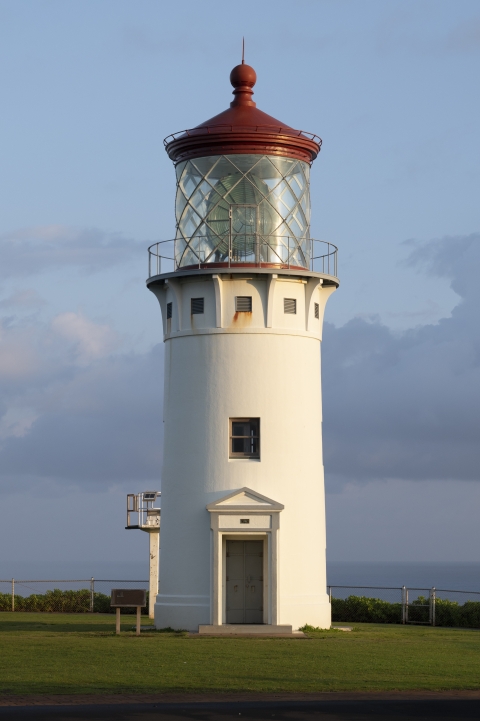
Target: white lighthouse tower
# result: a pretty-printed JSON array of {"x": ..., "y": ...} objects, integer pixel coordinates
[{"x": 242, "y": 300}]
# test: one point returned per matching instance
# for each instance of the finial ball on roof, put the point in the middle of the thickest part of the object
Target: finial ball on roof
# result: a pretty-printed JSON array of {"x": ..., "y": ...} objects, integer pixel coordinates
[{"x": 243, "y": 75}]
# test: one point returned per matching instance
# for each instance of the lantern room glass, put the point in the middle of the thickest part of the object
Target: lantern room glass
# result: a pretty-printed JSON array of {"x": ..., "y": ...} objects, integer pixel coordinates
[{"x": 243, "y": 209}]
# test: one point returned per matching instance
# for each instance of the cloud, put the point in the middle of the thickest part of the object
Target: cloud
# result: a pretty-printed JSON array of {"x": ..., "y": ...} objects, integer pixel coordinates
[
  {"x": 74, "y": 412},
  {"x": 405, "y": 406},
  {"x": 99, "y": 428},
  {"x": 90, "y": 340},
  {"x": 30, "y": 251},
  {"x": 23, "y": 299}
]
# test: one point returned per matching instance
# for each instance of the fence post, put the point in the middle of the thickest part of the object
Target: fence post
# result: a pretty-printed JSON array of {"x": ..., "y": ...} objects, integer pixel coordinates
[
  {"x": 404, "y": 605},
  {"x": 92, "y": 593},
  {"x": 13, "y": 594},
  {"x": 432, "y": 606}
]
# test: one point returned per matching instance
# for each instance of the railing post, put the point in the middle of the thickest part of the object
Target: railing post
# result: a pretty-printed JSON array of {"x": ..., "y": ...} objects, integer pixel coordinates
[
  {"x": 230, "y": 229},
  {"x": 92, "y": 594},
  {"x": 13, "y": 594},
  {"x": 432, "y": 606},
  {"x": 404, "y": 605}
]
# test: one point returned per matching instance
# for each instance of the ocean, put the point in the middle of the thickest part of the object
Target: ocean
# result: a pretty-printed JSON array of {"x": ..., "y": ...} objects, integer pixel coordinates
[{"x": 450, "y": 576}]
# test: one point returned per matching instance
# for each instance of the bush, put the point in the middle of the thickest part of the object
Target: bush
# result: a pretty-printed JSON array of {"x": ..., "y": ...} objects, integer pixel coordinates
[
  {"x": 373, "y": 610},
  {"x": 58, "y": 601},
  {"x": 363, "y": 609}
]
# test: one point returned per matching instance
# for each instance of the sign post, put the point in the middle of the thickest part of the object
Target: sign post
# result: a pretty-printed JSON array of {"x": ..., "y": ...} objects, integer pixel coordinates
[{"x": 128, "y": 598}]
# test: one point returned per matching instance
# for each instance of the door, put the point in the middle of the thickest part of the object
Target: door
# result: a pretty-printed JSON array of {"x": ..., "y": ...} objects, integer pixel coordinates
[
  {"x": 244, "y": 581},
  {"x": 243, "y": 232}
]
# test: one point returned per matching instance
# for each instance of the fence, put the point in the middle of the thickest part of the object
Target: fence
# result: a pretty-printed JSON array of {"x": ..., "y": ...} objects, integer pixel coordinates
[
  {"x": 380, "y": 604},
  {"x": 360, "y": 604},
  {"x": 65, "y": 596},
  {"x": 242, "y": 249}
]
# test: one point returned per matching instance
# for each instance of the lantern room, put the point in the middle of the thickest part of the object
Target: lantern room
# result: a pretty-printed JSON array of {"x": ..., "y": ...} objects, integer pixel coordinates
[{"x": 243, "y": 191}]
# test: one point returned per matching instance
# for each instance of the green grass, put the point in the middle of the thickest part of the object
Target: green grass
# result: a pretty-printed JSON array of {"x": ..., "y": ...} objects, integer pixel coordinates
[{"x": 63, "y": 653}]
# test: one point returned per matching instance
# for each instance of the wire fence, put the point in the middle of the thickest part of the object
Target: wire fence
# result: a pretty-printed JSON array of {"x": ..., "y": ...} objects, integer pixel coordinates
[
  {"x": 64, "y": 596},
  {"x": 380, "y": 604},
  {"x": 350, "y": 604}
]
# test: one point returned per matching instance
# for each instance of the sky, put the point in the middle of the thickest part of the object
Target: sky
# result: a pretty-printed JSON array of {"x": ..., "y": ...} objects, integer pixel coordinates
[{"x": 89, "y": 90}]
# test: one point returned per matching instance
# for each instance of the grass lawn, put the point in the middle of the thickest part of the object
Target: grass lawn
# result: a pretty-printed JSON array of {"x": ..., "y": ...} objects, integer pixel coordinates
[{"x": 73, "y": 653}]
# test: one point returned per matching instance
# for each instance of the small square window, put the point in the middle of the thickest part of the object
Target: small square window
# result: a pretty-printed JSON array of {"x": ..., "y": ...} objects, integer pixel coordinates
[
  {"x": 244, "y": 437},
  {"x": 243, "y": 304},
  {"x": 197, "y": 306},
  {"x": 290, "y": 305},
  {"x": 316, "y": 310},
  {"x": 169, "y": 311}
]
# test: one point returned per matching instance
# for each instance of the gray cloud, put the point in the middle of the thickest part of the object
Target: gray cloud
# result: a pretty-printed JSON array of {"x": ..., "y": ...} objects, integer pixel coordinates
[
  {"x": 400, "y": 406},
  {"x": 100, "y": 427},
  {"x": 75, "y": 410},
  {"x": 407, "y": 406},
  {"x": 35, "y": 250}
]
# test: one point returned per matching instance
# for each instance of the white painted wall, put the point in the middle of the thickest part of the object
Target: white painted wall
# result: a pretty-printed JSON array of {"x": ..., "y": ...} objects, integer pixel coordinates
[{"x": 242, "y": 369}]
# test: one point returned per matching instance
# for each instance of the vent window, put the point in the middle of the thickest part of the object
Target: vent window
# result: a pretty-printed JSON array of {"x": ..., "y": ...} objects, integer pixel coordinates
[
  {"x": 244, "y": 437},
  {"x": 243, "y": 304},
  {"x": 290, "y": 306},
  {"x": 197, "y": 306},
  {"x": 316, "y": 310},
  {"x": 169, "y": 311}
]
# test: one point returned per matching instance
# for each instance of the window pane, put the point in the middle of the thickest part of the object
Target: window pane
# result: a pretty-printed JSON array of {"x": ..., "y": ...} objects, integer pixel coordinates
[
  {"x": 254, "y": 426},
  {"x": 239, "y": 429},
  {"x": 237, "y": 445}
]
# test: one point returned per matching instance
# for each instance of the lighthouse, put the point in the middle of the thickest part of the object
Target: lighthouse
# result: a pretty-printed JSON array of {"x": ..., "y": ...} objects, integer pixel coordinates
[{"x": 242, "y": 290}]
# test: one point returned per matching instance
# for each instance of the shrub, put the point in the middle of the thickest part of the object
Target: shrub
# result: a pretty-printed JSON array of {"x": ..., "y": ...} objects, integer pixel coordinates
[
  {"x": 58, "y": 601},
  {"x": 373, "y": 610},
  {"x": 366, "y": 610}
]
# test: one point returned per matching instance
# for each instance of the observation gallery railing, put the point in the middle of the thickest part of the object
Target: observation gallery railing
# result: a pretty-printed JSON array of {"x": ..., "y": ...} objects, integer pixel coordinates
[{"x": 250, "y": 250}]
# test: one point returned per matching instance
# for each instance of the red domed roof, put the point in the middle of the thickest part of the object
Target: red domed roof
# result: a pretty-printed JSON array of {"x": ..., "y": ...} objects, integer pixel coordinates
[{"x": 242, "y": 129}]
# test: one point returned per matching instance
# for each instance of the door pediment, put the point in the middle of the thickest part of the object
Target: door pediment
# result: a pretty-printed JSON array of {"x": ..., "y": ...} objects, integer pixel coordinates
[{"x": 245, "y": 499}]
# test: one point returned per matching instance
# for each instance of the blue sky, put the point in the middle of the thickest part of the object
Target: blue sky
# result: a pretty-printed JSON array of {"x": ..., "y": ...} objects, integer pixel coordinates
[{"x": 89, "y": 91}]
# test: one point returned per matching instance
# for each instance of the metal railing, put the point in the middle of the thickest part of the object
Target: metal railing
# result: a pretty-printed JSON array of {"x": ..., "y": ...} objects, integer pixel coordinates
[
  {"x": 350, "y": 604},
  {"x": 242, "y": 249},
  {"x": 382, "y": 604},
  {"x": 62, "y": 596},
  {"x": 228, "y": 127}
]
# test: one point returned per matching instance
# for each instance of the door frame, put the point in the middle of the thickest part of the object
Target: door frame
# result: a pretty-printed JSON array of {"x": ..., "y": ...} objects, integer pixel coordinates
[
  {"x": 232, "y": 206},
  {"x": 244, "y": 515}
]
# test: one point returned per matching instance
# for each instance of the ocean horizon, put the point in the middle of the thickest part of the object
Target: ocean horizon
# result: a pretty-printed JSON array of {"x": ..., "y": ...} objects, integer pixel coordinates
[{"x": 459, "y": 576}]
